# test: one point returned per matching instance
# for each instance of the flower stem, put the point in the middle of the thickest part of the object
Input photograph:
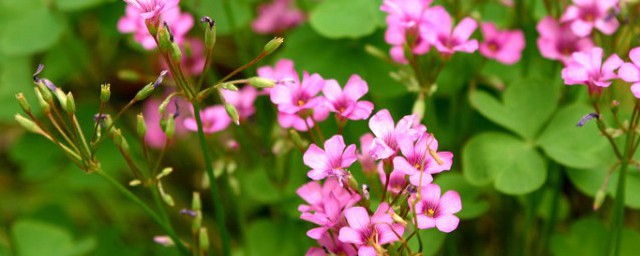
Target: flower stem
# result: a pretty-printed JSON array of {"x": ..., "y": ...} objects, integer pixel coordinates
[
  {"x": 215, "y": 193},
  {"x": 170, "y": 232}
]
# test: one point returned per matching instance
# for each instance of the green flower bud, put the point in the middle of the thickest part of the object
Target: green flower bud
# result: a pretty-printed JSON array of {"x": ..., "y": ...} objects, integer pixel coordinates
[
  {"x": 23, "y": 103},
  {"x": 210, "y": 32},
  {"x": 232, "y": 112},
  {"x": 229, "y": 87},
  {"x": 70, "y": 106},
  {"x": 141, "y": 126},
  {"x": 273, "y": 45},
  {"x": 599, "y": 199},
  {"x": 260, "y": 82},
  {"x": 43, "y": 103},
  {"x": 135, "y": 182},
  {"x": 170, "y": 127},
  {"x": 419, "y": 106},
  {"x": 197, "y": 222},
  {"x": 165, "y": 172},
  {"x": 203, "y": 238},
  {"x": 145, "y": 92},
  {"x": 168, "y": 199},
  {"x": 196, "y": 203},
  {"x": 62, "y": 98},
  {"x": 176, "y": 53},
  {"x": 164, "y": 37},
  {"x": 46, "y": 93},
  {"x": 129, "y": 75},
  {"x": 28, "y": 124},
  {"x": 105, "y": 92}
]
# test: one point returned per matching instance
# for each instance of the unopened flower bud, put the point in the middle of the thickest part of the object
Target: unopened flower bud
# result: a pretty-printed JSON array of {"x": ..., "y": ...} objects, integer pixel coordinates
[
  {"x": 419, "y": 106},
  {"x": 129, "y": 75},
  {"x": 232, "y": 112},
  {"x": 176, "y": 53},
  {"x": 599, "y": 199},
  {"x": 163, "y": 240},
  {"x": 396, "y": 218},
  {"x": 28, "y": 124},
  {"x": 134, "y": 183},
  {"x": 353, "y": 183},
  {"x": 375, "y": 52},
  {"x": 203, "y": 238},
  {"x": 144, "y": 92},
  {"x": 23, "y": 103},
  {"x": 46, "y": 93},
  {"x": 210, "y": 32},
  {"x": 273, "y": 45},
  {"x": 164, "y": 37},
  {"x": 170, "y": 127},
  {"x": 261, "y": 82},
  {"x": 62, "y": 98},
  {"x": 197, "y": 222},
  {"x": 196, "y": 202},
  {"x": 229, "y": 87},
  {"x": 119, "y": 140},
  {"x": 105, "y": 92},
  {"x": 168, "y": 199},
  {"x": 70, "y": 107},
  {"x": 43, "y": 103},
  {"x": 165, "y": 172},
  {"x": 141, "y": 127},
  {"x": 158, "y": 81}
]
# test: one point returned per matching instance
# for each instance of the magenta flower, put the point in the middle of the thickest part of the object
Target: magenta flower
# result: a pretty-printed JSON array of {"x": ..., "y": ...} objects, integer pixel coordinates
[
  {"x": 179, "y": 23},
  {"x": 345, "y": 102},
  {"x": 448, "y": 39},
  {"x": 298, "y": 104},
  {"x": 558, "y": 42},
  {"x": 397, "y": 180},
  {"x": 368, "y": 233},
  {"x": 333, "y": 246},
  {"x": 435, "y": 211},
  {"x": 502, "y": 45},
  {"x": 418, "y": 160},
  {"x": 152, "y": 9},
  {"x": 630, "y": 72},
  {"x": 407, "y": 23},
  {"x": 214, "y": 119},
  {"x": 386, "y": 144},
  {"x": 584, "y": 15},
  {"x": 282, "y": 72},
  {"x": 365, "y": 159},
  {"x": 243, "y": 100},
  {"x": 332, "y": 161},
  {"x": 587, "y": 68},
  {"x": 275, "y": 17},
  {"x": 155, "y": 137}
]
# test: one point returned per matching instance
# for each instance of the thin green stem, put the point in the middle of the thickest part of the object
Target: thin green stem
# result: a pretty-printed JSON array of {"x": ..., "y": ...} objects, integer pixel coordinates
[
  {"x": 170, "y": 232},
  {"x": 215, "y": 193}
]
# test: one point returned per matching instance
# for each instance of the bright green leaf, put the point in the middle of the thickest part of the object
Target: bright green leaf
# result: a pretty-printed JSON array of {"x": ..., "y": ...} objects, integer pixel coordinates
[
  {"x": 77, "y": 5},
  {"x": 345, "y": 19},
  {"x": 527, "y": 105},
  {"x": 29, "y": 32},
  {"x": 514, "y": 167},
  {"x": 573, "y": 146},
  {"x": 34, "y": 238}
]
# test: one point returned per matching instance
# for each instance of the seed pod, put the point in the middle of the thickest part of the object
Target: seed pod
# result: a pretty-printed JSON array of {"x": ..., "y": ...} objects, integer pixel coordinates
[{"x": 273, "y": 45}]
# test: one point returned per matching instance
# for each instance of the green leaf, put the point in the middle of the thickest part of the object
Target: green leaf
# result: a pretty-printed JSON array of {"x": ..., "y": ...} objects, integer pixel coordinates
[
  {"x": 30, "y": 31},
  {"x": 268, "y": 237},
  {"x": 260, "y": 187},
  {"x": 77, "y": 5},
  {"x": 573, "y": 146},
  {"x": 15, "y": 77},
  {"x": 514, "y": 167},
  {"x": 345, "y": 19},
  {"x": 589, "y": 236},
  {"x": 472, "y": 206},
  {"x": 527, "y": 105},
  {"x": 34, "y": 238}
]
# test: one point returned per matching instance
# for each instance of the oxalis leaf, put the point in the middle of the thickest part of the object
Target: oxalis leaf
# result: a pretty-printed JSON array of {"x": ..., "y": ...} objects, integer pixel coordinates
[
  {"x": 526, "y": 106},
  {"x": 346, "y": 19},
  {"x": 30, "y": 32},
  {"x": 589, "y": 237},
  {"x": 40, "y": 238},
  {"x": 513, "y": 166}
]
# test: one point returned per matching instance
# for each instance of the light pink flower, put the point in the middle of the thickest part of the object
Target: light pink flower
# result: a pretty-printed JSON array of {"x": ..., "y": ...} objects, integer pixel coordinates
[
  {"x": 345, "y": 102},
  {"x": 407, "y": 23},
  {"x": 243, "y": 100},
  {"x": 214, "y": 119},
  {"x": 365, "y": 159},
  {"x": 326, "y": 204},
  {"x": 155, "y": 137},
  {"x": 152, "y": 9},
  {"x": 332, "y": 161},
  {"x": 397, "y": 180},
  {"x": 282, "y": 72},
  {"x": 448, "y": 39},
  {"x": 333, "y": 245},
  {"x": 366, "y": 232},
  {"x": 584, "y": 15},
  {"x": 558, "y": 42},
  {"x": 386, "y": 144},
  {"x": 587, "y": 68},
  {"x": 435, "y": 211},
  {"x": 179, "y": 23},
  {"x": 502, "y": 45},
  {"x": 277, "y": 16},
  {"x": 418, "y": 161},
  {"x": 298, "y": 104},
  {"x": 630, "y": 72}
]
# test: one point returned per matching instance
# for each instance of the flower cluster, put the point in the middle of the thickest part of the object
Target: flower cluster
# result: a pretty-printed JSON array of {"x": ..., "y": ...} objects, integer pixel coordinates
[
  {"x": 139, "y": 12},
  {"x": 276, "y": 17}
]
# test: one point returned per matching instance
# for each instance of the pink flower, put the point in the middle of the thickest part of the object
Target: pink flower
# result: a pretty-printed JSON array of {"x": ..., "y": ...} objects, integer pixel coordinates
[
  {"x": 151, "y": 9},
  {"x": 345, "y": 102},
  {"x": 298, "y": 104},
  {"x": 214, "y": 119},
  {"x": 586, "y": 14},
  {"x": 447, "y": 39},
  {"x": 365, "y": 159},
  {"x": 435, "y": 211},
  {"x": 407, "y": 23},
  {"x": 558, "y": 42},
  {"x": 386, "y": 144},
  {"x": 332, "y": 161},
  {"x": 276, "y": 17},
  {"x": 326, "y": 205},
  {"x": 333, "y": 245},
  {"x": 179, "y": 23},
  {"x": 155, "y": 137},
  {"x": 282, "y": 72},
  {"x": 502, "y": 45},
  {"x": 419, "y": 162},
  {"x": 587, "y": 68},
  {"x": 630, "y": 72},
  {"x": 397, "y": 180},
  {"x": 243, "y": 100},
  {"x": 368, "y": 233}
]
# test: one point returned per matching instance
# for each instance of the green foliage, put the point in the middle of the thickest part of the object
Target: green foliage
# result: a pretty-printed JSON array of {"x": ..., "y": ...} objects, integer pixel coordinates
[
  {"x": 33, "y": 238},
  {"x": 77, "y": 5},
  {"x": 589, "y": 237},
  {"x": 357, "y": 18},
  {"x": 28, "y": 32}
]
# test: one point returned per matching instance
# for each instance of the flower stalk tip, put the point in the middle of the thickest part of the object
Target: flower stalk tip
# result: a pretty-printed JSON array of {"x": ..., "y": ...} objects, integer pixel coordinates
[{"x": 272, "y": 45}]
